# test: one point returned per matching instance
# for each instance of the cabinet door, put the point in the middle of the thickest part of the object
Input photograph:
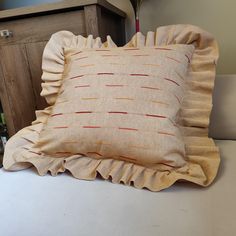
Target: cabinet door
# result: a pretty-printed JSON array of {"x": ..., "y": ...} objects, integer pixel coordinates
[
  {"x": 34, "y": 55},
  {"x": 17, "y": 95}
]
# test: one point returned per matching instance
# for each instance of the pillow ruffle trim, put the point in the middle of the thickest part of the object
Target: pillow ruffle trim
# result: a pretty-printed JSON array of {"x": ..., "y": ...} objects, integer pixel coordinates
[{"x": 54, "y": 61}]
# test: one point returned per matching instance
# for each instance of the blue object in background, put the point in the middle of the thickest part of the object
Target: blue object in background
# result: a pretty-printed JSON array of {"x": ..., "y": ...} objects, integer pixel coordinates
[{"x": 7, "y": 4}]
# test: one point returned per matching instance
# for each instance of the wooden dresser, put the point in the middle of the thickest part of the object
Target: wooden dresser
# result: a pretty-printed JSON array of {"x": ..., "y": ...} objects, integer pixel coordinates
[{"x": 24, "y": 33}]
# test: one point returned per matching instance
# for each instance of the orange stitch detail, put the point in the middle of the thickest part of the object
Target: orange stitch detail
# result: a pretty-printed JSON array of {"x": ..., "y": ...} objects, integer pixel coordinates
[
  {"x": 166, "y": 165},
  {"x": 131, "y": 99},
  {"x": 58, "y": 114},
  {"x": 165, "y": 133},
  {"x": 95, "y": 153},
  {"x": 166, "y": 49},
  {"x": 76, "y": 53},
  {"x": 145, "y": 87},
  {"x": 63, "y": 153},
  {"x": 92, "y": 127},
  {"x": 139, "y": 75},
  {"x": 114, "y": 85},
  {"x": 172, "y": 81},
  {"x": 87, "y": 65},
  {"x": 83, "y": 112},
  {"x": 128, "y": 158},
  {"x": 118, "y": 112},
  {"x": 82, "y": 86},
  {"x": 151, "y": 65},
  {"x": 129, "y": 129},
  {"x": 163, "y": 103},
  {"x": 38, "y": 153},
  {"x": 177, "y": 99},
  {"x": 157, "y": 116},
  {"x": 89, "y": 98},
  {"x": 78, "y": 76},
  {"x": 80, "y": 58},
  {"x": 188, "y": 58},
  {"x": 60, "y": 127},
  {"x": 108, "y": 73},
  {"x": 173, "y": 59}
]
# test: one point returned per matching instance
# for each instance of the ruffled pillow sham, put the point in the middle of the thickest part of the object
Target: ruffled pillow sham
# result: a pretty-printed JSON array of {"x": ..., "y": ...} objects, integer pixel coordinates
[{"x": 101, "y": 133}]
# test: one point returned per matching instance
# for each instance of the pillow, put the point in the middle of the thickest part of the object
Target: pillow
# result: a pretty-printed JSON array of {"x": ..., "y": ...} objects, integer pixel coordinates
[
  {"x": 112, "y": 126},
  {"x": 119, "y": 104}
]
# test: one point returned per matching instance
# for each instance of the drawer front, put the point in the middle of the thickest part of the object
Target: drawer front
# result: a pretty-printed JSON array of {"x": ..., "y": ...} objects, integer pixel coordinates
[{"x": 40, "y": 28}]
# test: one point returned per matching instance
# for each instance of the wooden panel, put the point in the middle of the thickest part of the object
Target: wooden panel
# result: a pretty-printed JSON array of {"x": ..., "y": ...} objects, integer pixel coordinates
[
  {"x": 100, "y": 22},
  {"x": 34, "y": 53},
  {"x": 21, "y": 55},
  {"x": 57, "y": 7},
  {"x": 92, "y": 20},
  {"x": 6, "y": 104},
  {"x": 41, "y": 28},
  {"x": 112, "y": 25},
  {"x": 18, "y": 87}
]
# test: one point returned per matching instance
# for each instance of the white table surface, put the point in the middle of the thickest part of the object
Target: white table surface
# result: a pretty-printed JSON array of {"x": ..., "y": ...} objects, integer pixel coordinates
[{"x": 31, "y": 205}]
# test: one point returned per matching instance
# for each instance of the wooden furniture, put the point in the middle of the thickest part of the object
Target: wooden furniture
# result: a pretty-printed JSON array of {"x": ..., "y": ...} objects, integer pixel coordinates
[{"x": 27, "y": 30}]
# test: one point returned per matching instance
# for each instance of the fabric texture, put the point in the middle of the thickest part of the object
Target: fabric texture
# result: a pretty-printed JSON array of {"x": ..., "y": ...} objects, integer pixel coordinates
[
  {"x": 201, "y": 154},
  {"x": 120, "y": 104}
]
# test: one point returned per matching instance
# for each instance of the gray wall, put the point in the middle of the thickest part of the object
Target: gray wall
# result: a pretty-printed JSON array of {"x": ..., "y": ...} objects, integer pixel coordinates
[{"x": 216, "y": 16}]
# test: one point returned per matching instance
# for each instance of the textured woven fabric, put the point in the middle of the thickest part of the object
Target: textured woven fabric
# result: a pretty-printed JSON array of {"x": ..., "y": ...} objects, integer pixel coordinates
[
  {"x": 121, "y": 104},
  {"x": 201, "y": 159}
]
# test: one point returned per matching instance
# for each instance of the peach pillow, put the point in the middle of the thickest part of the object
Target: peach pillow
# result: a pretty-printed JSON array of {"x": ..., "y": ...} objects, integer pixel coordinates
[
  {"x": 121, "y": 104},
  {"x": 178, "y": 118}
]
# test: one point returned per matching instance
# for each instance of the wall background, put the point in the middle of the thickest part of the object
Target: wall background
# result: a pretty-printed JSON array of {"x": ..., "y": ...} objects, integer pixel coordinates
[{"x": 215, "y": 16}]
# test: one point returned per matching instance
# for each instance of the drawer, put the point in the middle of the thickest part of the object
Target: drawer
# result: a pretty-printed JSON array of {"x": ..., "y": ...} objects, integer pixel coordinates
[{"x": 40, "y": 28}]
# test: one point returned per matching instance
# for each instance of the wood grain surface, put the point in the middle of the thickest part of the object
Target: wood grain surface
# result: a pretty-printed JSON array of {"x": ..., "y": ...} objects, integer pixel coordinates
[
  {"x": 18, "y": 87},
  {"x": 57, "y": 7},
  {"x": 41, "y": 28},
  {"x": 21, "y": 54}
]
